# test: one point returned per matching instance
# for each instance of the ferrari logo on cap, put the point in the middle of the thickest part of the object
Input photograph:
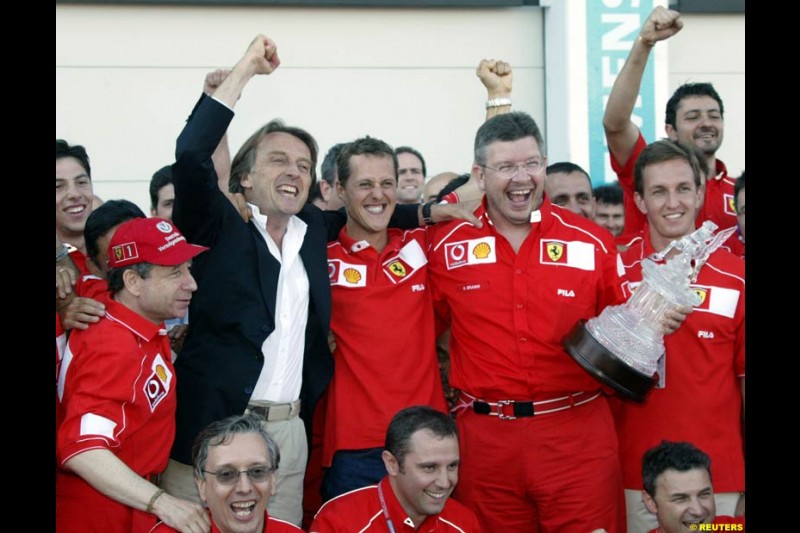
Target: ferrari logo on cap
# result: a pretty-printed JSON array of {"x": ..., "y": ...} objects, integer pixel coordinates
[{"x": 555, "y": 251}]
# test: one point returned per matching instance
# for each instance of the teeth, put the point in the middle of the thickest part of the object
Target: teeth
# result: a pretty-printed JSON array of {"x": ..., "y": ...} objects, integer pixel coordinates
[
  {"x": 375, "y": 209},
  {"x": 673, "y": 216},
  {"x": 287, "y": 189},
  {"x": 437, "y": 495},
  {"x": 520, "y": 193},
  {"x": 75, "y": 209}
]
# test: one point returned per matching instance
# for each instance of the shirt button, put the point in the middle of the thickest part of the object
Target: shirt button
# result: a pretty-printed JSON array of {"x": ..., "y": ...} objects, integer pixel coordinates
[
  {"x": 520, "y": 271},
  {"x": 520, "y": 306},
  {"x": 523, "y": 339},
  {"x": 248, "y": 390}
]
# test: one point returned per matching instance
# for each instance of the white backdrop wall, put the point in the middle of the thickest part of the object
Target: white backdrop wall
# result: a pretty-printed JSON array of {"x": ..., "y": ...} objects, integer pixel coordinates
[{"x": 128, "y": 76}]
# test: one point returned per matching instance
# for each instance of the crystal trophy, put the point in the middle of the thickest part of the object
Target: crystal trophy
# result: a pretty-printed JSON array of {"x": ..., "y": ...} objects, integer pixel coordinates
[{"x": 622, "y": 346}]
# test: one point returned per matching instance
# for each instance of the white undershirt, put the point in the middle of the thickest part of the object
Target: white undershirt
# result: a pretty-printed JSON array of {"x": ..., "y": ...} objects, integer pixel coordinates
[{"x": 282, "y": 374}]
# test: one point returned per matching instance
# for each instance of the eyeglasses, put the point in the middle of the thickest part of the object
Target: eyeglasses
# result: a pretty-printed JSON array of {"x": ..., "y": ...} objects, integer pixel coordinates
[
  {"x": 509, "y": 170},
  {"x": 230, "y": 476}
]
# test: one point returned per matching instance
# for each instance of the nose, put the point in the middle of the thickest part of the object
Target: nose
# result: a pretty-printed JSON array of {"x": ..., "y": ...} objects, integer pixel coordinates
[
  {"x": 574, "y": 206},
  {"x": 672, "y": 199},
  {"x": 243, "y": 483},
  {"x": 695, "y": 508},
  {"x": 189, "y": 283},
  {"x": 443, "y": 480}
]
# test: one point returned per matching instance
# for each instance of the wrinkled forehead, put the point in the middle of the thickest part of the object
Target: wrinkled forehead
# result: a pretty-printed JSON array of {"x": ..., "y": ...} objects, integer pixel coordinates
[
  {"x": 521, "y": 149},
  {"x": 574, "y": 182},
  {"x": 241, "y": 449},
  {"x": 280, "y": 142}
]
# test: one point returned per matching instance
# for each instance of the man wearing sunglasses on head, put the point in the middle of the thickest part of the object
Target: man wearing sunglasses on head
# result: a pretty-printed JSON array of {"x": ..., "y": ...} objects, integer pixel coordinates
[{"x": 235, "y": 460}]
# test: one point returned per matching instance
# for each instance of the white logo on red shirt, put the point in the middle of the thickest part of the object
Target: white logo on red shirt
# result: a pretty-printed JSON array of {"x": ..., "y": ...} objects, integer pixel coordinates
[
  {"x": 157, "y": 385},
  {"x": 471, "y": 252}
]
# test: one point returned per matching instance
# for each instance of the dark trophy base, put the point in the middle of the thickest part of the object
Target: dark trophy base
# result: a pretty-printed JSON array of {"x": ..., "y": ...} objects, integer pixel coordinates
[{"x": 605, "y": 366}]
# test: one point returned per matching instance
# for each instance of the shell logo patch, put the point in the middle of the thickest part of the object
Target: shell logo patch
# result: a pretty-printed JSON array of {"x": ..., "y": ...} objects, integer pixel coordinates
[
  {"x": 730, "y": 204},
  {"x": 481, "y": 250},
  {"x": 346, "y": 274},
  {"x": 157, "y": 385},
  {"x": 556, "y": 251},
  {"x": 397, "y": 268},
  {"x": 471, "y": 252},
  {"x": 351, "y": 275}
]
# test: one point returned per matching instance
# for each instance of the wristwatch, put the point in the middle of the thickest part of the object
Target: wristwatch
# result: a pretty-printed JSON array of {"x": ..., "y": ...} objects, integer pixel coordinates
[
  {"x": 426, "y": 214},
  {"x": 62, "y": 253}
]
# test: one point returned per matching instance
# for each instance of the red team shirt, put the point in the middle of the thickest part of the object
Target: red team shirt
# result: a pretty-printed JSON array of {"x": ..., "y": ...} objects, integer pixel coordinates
[
  {"x": 718, "y": 206},
  {"x": 385, "y": 355},
  {"x": 271, "y": 525},
  {"x": 511, "y": 311},
  {"x": 361, "y": 511},
  {"x": 117, "y": 388},
  {"x": 701, "y": 401}
]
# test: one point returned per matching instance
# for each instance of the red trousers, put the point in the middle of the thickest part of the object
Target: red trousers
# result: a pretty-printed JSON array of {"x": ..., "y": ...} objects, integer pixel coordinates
[{"x": 555, "y": 472}]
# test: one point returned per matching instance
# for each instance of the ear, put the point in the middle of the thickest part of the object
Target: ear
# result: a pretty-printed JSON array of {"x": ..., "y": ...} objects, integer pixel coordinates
[
  {"x": 246, "y": 182},
  {"x": 390, "y": 461},
  {"x": 340, "y": 192},
  {"x": 671, "y": 133},
  {"x": 325, "y": 190},
  {"x": 477, "y": 173},
  {"x": 649, "y": 502},
  {"x": 132, "y": 281},
  {"x": 637, "y": 198},
  {"x": 701, "y": 195},
  {"x": 273, "y": 482},
  {"x": 201, "y": 489}
]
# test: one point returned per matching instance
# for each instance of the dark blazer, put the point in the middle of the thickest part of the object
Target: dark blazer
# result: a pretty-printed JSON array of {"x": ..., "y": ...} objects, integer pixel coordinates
[{"x": 232, "y": 311}]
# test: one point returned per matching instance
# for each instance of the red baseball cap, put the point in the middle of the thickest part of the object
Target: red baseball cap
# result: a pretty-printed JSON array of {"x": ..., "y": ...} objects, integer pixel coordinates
[{"x": 150, "y": 240}]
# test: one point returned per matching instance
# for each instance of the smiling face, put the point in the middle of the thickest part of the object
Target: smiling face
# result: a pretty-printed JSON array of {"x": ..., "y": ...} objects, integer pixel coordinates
[
  {"x": 572, "y": 190},
  {"x": 611, "y": 217},
  {"x": 682, "y": 500},
  {"x": 511, "y": 200},
  {"x": 411, "y": 178},
  {"x": 73, "y": 198},
  {"x": 164, "y": 294},
  {"x": 237, "y": 508},
  {"x": 670, "y": 199},
  {"x": 281, "y": 176},
  {"x": 369, "y": 196},
  {"x": 698, "y": 122},
  {"x": 428, "y": 475}
]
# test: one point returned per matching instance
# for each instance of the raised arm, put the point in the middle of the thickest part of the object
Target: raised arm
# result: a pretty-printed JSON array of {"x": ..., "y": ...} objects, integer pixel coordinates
[
  {"x": 222, "y": 155},
  {"x": 621, "y": 132},
  {"x": 496, "y": 76}
]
